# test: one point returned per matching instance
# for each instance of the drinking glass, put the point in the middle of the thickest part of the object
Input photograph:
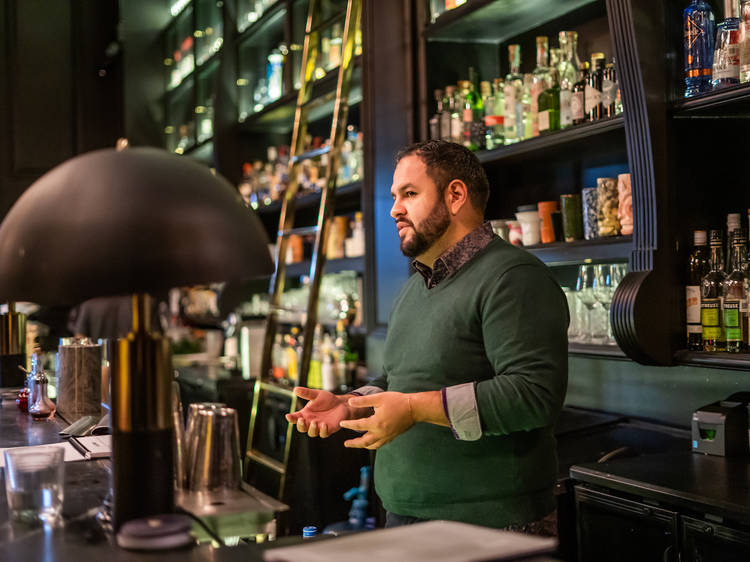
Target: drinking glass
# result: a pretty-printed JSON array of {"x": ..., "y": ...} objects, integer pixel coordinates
[
  {"x": 574, "y": 327},
  {"x": 34, "y": 480},
  {"x": 215, "y": 462},
  {"x": 605, "y": 283},
  {"x": 585, "y": 292}
]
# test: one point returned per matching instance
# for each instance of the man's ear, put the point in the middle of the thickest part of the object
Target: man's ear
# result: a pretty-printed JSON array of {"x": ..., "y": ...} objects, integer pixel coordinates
[{"x": 456, "y": 196}]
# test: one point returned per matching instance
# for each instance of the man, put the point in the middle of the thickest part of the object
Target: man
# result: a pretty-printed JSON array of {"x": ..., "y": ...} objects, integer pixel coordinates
[{"x": 475, "y": 362}]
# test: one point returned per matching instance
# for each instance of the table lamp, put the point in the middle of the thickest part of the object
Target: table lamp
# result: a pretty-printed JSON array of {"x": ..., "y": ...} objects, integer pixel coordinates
[{"x": 130, "y": 222}]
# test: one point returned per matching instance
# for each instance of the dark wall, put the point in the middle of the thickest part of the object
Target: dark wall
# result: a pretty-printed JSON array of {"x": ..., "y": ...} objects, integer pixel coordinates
[{"x": 62, "y": 86}]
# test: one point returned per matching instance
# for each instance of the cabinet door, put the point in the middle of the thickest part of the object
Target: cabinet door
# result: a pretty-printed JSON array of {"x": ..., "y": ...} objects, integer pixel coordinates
[
  {"x": 703, "y": 541},
  {"x": 616, "y": 529}
]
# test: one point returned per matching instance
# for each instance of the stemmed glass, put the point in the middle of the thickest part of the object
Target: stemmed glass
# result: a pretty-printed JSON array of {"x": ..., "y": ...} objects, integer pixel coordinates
[
  {"x": 585, "y": 284},
  {"x": 605, "y": 282}
]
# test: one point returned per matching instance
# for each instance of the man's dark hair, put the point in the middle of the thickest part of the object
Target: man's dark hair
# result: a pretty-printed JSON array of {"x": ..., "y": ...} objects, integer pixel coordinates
[{"x": 448, "y": 161}]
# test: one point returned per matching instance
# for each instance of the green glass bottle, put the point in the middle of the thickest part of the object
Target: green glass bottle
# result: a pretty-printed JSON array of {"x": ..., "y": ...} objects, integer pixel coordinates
[{"x": 549, "y": 106}]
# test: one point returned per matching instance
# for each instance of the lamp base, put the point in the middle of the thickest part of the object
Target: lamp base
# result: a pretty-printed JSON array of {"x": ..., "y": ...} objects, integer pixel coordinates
[{"x": 142, "y": 477}]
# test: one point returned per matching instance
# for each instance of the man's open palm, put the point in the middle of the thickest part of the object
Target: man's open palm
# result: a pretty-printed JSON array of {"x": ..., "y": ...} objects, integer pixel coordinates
[{"x": 322, "y": 414}]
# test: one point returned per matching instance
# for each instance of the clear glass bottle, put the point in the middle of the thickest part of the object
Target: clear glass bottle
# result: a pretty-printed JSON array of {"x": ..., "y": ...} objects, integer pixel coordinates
[
  {"x": 445, "y": 117},
  {"x": 698, "y": 43},
  {"x": 457, "y": 118},
  {"x": 745, "y": 41},
  {"x": 733, "y": 223},
  {"x": 734, "y": 305},
  {"x": 542, "y": 79},
  {"x": 524, "y": 113},
  {"x": 698, "y": 267},
  {"x": 494, "y": 108},
  {"x": 568, "y": 75},
  {"x": 609, "y": 90},
  {"x": 726, "y": 66},
  {"x": 577, "y": 98},
  {"x": 513, "y": 93},
  {"x": 436, "y": 119},
  {"x": 712, "y": 286},
  {"x": 549, "y": 106}
]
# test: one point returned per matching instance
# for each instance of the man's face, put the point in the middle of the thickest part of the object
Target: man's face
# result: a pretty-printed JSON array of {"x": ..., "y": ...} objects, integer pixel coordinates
[{"x": 421, "y": 214}]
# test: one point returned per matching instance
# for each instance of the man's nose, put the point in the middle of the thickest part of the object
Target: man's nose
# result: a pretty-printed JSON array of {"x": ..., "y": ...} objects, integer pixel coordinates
[{"x": 397, "y": 209}]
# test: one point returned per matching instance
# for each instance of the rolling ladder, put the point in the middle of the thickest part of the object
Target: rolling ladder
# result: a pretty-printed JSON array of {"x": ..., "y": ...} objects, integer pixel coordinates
[{"x": 275, "y": 469}]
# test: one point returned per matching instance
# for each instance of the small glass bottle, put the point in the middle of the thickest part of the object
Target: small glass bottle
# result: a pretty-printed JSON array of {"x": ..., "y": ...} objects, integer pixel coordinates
[
  {"x": 711, "y": 294},
  {"x": 549, "y": 106},
  {"x": 726, "y": 67},
  {"x": 593, "y": 95},
  {"x": 568, "y": 75},
  {"x": 734, "y": 305},
  {"x": 733, "y": 223},
  {"x": 541, "y": 81},
  {"x": 436, "y": 119},
  {"x": 513, "y": 93},
  {"x": 609, "y": 90},
  {"x": 698, "y": 267},
  {"x": 445, "y": 117},
  {"x": 523, "y": 115},
  {"x": 698, "y": 39}
]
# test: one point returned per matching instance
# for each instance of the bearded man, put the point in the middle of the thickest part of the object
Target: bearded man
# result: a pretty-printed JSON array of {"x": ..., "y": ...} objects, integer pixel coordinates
[{"x": 475, "y": 362}]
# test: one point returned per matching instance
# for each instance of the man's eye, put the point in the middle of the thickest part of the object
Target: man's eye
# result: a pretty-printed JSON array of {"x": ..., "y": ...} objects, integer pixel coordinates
[{"x": 410, "y": 194}]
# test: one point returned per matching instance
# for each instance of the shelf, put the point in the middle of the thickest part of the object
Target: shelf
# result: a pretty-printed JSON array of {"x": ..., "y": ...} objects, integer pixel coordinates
[
  {"x": 718, "y": 360},
  {"x": 313, "y": 199},
  {"x": 332, "y": 266},
  {"x": 725, "y": 103},
  {"x": 270, "y": 13},
  {"x": 278, "y": 116},
  {"x": 564, "y": 138},
  {"x": 600, "y": 250},
  {"x": 203, "y": 151},
  {"x": 494, "y": 21},
  {"x": 595, "y": 350}
]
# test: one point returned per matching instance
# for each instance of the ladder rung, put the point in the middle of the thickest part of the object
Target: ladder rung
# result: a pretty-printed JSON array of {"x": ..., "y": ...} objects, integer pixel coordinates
[
  {"x": 277, "y": 389},
  {"x": 300, "y": 231},
  {"x": 327, "y": 23},
  {"x": 310, "y": 154},
  {"x": 265, "y": 460},
  {"x": 287, "y": 308}
]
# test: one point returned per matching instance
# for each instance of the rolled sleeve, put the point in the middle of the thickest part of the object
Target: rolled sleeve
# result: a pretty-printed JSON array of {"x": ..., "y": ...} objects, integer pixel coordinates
[
  {"x": 365, "y": 390},
  {"x": 460, "y": 406}
]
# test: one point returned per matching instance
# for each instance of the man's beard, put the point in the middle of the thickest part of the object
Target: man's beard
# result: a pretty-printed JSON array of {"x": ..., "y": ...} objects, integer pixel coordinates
[{"x": 432, "y": 228}]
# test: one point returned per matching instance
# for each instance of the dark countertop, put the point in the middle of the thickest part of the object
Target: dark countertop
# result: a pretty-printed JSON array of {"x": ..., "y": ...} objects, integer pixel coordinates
[{"x": 696, "y": 482}]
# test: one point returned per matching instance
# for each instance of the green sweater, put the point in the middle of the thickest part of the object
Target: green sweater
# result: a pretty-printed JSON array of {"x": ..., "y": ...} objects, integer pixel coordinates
[{"x": 501, "y": 322}]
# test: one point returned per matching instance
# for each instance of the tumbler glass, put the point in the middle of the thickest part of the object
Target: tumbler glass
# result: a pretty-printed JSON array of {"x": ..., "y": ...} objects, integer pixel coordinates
[
  {"x": 34, "y": 479},
  {"x": 215, "y": 462}
]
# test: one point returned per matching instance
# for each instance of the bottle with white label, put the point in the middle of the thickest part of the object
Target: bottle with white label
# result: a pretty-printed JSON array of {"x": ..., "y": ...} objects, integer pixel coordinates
[
  {"x": 593, "y": 95},
  {"x": 712, "y": 285},
  {"x": 698, "y": 267},
  {"x": 568, "y": 75},
  {"x": 513, "y": 93},
  {"x": 734, "y": 305},
  {"x": 609, "y": 90},
  {"x": 577, "y": 98},
  {"x": 726, "y": 67}
]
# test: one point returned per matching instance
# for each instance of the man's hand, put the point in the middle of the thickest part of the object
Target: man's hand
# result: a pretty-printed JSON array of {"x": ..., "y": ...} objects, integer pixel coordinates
[
  {"x": 322, "y": 414},
  {"x": 393, "y": 416}
]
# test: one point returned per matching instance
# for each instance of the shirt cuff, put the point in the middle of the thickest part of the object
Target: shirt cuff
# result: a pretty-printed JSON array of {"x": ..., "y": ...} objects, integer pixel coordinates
[
  {"x": 365, "y": 390},
  {"x": 460, "y": 407}
]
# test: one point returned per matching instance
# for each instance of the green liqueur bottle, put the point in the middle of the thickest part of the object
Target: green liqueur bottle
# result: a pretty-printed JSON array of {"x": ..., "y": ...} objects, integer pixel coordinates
[
  {"x": 541, "y": 81},
  {"x": 712, "y": 286},
  {"x": 734, "y": 306},
  {"x": 549, "y": 106}
]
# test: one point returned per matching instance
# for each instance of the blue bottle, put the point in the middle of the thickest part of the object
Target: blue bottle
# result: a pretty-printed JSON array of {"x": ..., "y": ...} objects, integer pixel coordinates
[{"x": 698, "y": 30}]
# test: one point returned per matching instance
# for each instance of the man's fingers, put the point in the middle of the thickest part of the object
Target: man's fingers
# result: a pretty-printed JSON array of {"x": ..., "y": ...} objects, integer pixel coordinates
[
  {"x": 364, "y": 442},
  {"x": 292, "y": 418},
  {"x": 301, "y": 425},
  {"x": 357, "y": 425},
  {"x": 306, "y": 393},
  {"x": 312, "y": 431},
  {"x": 323, "y": 430}
]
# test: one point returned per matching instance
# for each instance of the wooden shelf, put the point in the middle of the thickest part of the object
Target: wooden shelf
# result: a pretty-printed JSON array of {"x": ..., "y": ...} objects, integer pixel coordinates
[
  {"x": 600, "y": 250},
  {"x": 718, "y": 360},
  {"x": 494, "y": 21},
  {"x": 567, "y": 137},
  {"x": 597, "y": 351},
  {"x": 279, "y": 7},
  {"x": 332, "y": 266},
  {"x": 343, "y": 193},
  {"x": 725, "y": 103}
]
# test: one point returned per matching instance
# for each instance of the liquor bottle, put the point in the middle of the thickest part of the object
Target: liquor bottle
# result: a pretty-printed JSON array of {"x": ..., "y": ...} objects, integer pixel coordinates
[
  {"x": 711, "y": 293},
  {"x": 609, "y": 90},
  {"x": 472, "y": 116},
  {"x": 593, "y": 95},
  {"x": 549, "y": 106},
  {"x": 513, "y": 91},
  {"x": 745, "y": 41},
  {"x": 542, "y": 80},
  {"x": 436, "y": 120},
  {"x": 734, "y": 306},
  {"x": 457, "y": 118},
  {"x": 577, "y": 98},
  {"x": 698, "y": 39},
  {"x": 494, "y": 117},
  {"x": 445, "y": 120},
  {"x": 733, "y": 223},
  {"x": 726, "y": 67},
  {"x": 618, "y": 91},
  {"x": 523, "y": 115},
  {"x": 568, "y": 75},
  {"x": 698, "y": 267}
]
